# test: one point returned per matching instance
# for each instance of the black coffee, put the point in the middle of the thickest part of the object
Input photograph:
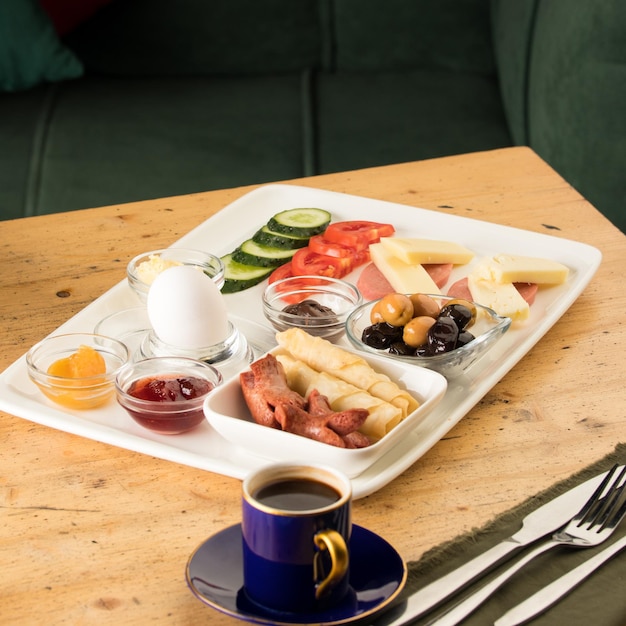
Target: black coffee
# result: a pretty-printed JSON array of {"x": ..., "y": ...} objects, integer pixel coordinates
[{"x": 296, "y": 494}]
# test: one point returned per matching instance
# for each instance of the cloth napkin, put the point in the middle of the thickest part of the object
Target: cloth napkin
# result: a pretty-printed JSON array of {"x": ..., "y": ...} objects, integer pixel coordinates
[{"x": 600, "y": 600}]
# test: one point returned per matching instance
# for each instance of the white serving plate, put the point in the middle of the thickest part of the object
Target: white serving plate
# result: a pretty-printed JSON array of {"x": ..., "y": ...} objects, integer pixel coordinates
[
  {"x": 227, "y": 412},
  {"x": 204, "y": 448}
]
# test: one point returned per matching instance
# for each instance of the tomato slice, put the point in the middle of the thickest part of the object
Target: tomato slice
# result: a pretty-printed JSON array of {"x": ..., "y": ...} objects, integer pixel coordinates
[
  {"x": 357, "y": 234},
  {"x": 321, "y": 245},
  {"x": 305, "y": 261},
  {"x": 282, "y": 271}
]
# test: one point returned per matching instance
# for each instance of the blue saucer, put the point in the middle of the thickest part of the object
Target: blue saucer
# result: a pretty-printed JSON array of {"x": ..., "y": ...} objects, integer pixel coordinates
[{"x": 377, "y": 575}]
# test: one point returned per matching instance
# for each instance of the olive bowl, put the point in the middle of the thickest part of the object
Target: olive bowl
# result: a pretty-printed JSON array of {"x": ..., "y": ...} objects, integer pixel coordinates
[
  {"x": 325, "y": 304},
  {"x": 487, "y": 329}
]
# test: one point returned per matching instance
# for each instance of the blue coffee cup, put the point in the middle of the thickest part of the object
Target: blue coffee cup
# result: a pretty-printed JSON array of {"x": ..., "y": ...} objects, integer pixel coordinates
[{"x": 296, "y": 525}]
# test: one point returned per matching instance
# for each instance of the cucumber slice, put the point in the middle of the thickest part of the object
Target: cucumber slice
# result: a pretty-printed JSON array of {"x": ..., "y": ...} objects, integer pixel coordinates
[
  {"x": 252, "y": 253},
  {"x": 304, "y": 222},
  {"x": 238, "y": 276},
  {"x": 267, "y": 237}
]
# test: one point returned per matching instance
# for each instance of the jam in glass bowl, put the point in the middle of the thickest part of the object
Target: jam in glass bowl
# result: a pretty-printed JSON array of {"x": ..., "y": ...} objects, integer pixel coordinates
[{"x": 166, "y": 394}]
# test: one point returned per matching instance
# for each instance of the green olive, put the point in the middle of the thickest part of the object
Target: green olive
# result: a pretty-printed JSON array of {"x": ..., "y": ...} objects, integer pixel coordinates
[
  {"x": 415, "y": 333},
  {"x": 375, "y": 315},
  {"x": 396, "y": 309},
  {"x": 424, "y": 305}
]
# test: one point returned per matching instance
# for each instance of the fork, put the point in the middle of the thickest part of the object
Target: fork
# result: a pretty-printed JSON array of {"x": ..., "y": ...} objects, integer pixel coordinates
[{"x": 593, "y": 524}]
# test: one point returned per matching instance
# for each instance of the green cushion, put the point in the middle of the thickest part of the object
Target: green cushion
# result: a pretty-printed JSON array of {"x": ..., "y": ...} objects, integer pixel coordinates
[
  {"x": 20, "y": 113},
  {"x": 513, "y": 22},
  {"x": 377, "y": 119},
  {"x": 30, "y": 51},
  {"x": 577, "y": 98},
  {"x": 148, "y": 138},
  {"x": 200, "y": 37},
  {"x": 372, "y": 35}
]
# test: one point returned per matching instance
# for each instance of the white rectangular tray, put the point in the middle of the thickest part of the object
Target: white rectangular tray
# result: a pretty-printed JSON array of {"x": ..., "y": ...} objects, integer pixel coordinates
[{"x": 204, "y": 448}]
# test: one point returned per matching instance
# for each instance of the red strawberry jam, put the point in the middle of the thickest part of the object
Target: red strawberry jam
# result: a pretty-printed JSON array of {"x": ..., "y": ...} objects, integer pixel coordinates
[{"x": 163, "y": 415}]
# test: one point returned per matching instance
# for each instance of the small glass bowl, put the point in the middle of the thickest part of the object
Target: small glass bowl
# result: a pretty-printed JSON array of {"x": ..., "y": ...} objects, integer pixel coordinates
[
  {"x": 167, "y": 417},
  {"x": 338, "y": 295},
  {"x": 86, "y": 392},
  {"x": 488, "y": 328},
  {"x": 130, "y": 326},
  {"x": 140, "y": 281}
]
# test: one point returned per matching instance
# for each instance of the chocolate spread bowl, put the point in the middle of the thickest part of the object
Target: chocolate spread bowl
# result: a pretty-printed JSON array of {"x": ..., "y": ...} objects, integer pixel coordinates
[{"x": 317, "y": 304}]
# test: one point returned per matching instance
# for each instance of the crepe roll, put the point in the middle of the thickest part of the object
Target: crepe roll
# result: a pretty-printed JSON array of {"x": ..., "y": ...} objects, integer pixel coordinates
[
  {"x": 342, "y": 396},
  {"x": 324, "y": 356}
]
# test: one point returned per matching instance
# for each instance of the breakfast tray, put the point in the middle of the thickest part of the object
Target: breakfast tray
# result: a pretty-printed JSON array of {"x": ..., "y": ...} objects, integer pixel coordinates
[{"x": 206, "y": 449}]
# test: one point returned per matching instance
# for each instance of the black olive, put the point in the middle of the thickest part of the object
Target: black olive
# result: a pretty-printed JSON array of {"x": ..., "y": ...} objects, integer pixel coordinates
[
  {"x": 423, "y": 350},
  {"x": 380, "y": 336},
  {"x": 442, "y": 335},
  {"x": 461, "y": 315},
  {"x": 401, "y": 348},
  {"x": 464, "y": 338}
]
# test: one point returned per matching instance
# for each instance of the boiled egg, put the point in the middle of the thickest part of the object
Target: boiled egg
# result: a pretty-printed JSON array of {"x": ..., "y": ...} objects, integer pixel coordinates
[{"x": 186, "y": 309}]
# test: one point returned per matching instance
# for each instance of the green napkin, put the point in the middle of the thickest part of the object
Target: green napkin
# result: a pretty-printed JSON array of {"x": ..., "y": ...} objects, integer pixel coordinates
[{"x": 600, "y": 600}]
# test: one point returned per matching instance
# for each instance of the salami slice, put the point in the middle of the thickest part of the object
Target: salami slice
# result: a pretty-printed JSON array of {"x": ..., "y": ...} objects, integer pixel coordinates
[
  {"x": 528, "y": 291},
  {"x": 459, "y": 289},
  {"x": 372, "y": 284},
  {"x": 439, "y": 272}
]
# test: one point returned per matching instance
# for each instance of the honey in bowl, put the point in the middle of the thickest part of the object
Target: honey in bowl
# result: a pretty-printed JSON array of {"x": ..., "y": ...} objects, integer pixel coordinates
[
  {"x": 78, "y": 374},
  {"x": 83, "y": 363}
]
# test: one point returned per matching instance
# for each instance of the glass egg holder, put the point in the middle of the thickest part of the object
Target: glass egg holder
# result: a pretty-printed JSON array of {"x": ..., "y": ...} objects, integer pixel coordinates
[{"x": 132, "y": 327}]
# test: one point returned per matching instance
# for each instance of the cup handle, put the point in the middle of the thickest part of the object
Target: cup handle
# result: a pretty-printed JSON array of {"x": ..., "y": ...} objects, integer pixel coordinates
[{"x": 332, "y": 541}]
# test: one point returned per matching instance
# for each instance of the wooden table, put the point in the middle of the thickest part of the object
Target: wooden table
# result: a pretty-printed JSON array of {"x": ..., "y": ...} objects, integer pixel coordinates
[{"x": 95, "y": 534}]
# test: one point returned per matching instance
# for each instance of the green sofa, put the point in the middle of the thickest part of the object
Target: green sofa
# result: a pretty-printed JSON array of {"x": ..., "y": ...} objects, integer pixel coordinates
[{"x": 150, "y": 98}]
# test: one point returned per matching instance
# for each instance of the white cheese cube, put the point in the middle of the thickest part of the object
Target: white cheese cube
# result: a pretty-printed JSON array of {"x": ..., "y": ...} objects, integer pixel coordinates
[
  {"x": 503, "y": 298},
  {"x": 420, "y": 251},
  {"x": 403, "y": 277}
]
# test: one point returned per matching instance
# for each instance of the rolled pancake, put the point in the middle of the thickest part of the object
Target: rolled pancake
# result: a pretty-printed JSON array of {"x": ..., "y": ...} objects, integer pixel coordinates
[
  {"x": 341, "y": 395},
  {"x": 324, "y": 356}
]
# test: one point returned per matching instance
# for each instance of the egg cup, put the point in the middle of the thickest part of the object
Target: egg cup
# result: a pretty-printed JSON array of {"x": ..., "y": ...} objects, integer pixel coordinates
[{"x": 229, "y": 356}]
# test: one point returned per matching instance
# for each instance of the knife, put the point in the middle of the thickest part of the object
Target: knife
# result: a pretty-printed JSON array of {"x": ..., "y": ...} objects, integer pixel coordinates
[
  {"x": 550, "y": 595},
  {"x": 541, "y": 522}
]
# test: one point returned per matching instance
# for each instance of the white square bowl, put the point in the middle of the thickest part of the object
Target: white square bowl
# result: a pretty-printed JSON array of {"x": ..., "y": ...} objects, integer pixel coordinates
[{"x": 228, "y": 414}]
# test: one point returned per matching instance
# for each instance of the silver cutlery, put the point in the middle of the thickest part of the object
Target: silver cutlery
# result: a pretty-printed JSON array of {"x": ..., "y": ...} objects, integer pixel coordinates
[
  {"x": 537, "y": 524},
  {"x": 594, "y": 523},
  {"x": 549, "y": 595}
]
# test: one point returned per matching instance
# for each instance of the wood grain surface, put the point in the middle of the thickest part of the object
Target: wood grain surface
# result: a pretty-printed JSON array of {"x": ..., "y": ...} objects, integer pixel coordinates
[{"x": 93, "y": 534}]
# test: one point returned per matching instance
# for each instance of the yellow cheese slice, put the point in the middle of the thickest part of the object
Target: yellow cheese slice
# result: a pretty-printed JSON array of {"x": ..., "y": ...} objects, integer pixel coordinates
[
  {"x": 419, "y": 251},
  {"x": 403, "y": 277},
  {"x": 508, "y": 268}
]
